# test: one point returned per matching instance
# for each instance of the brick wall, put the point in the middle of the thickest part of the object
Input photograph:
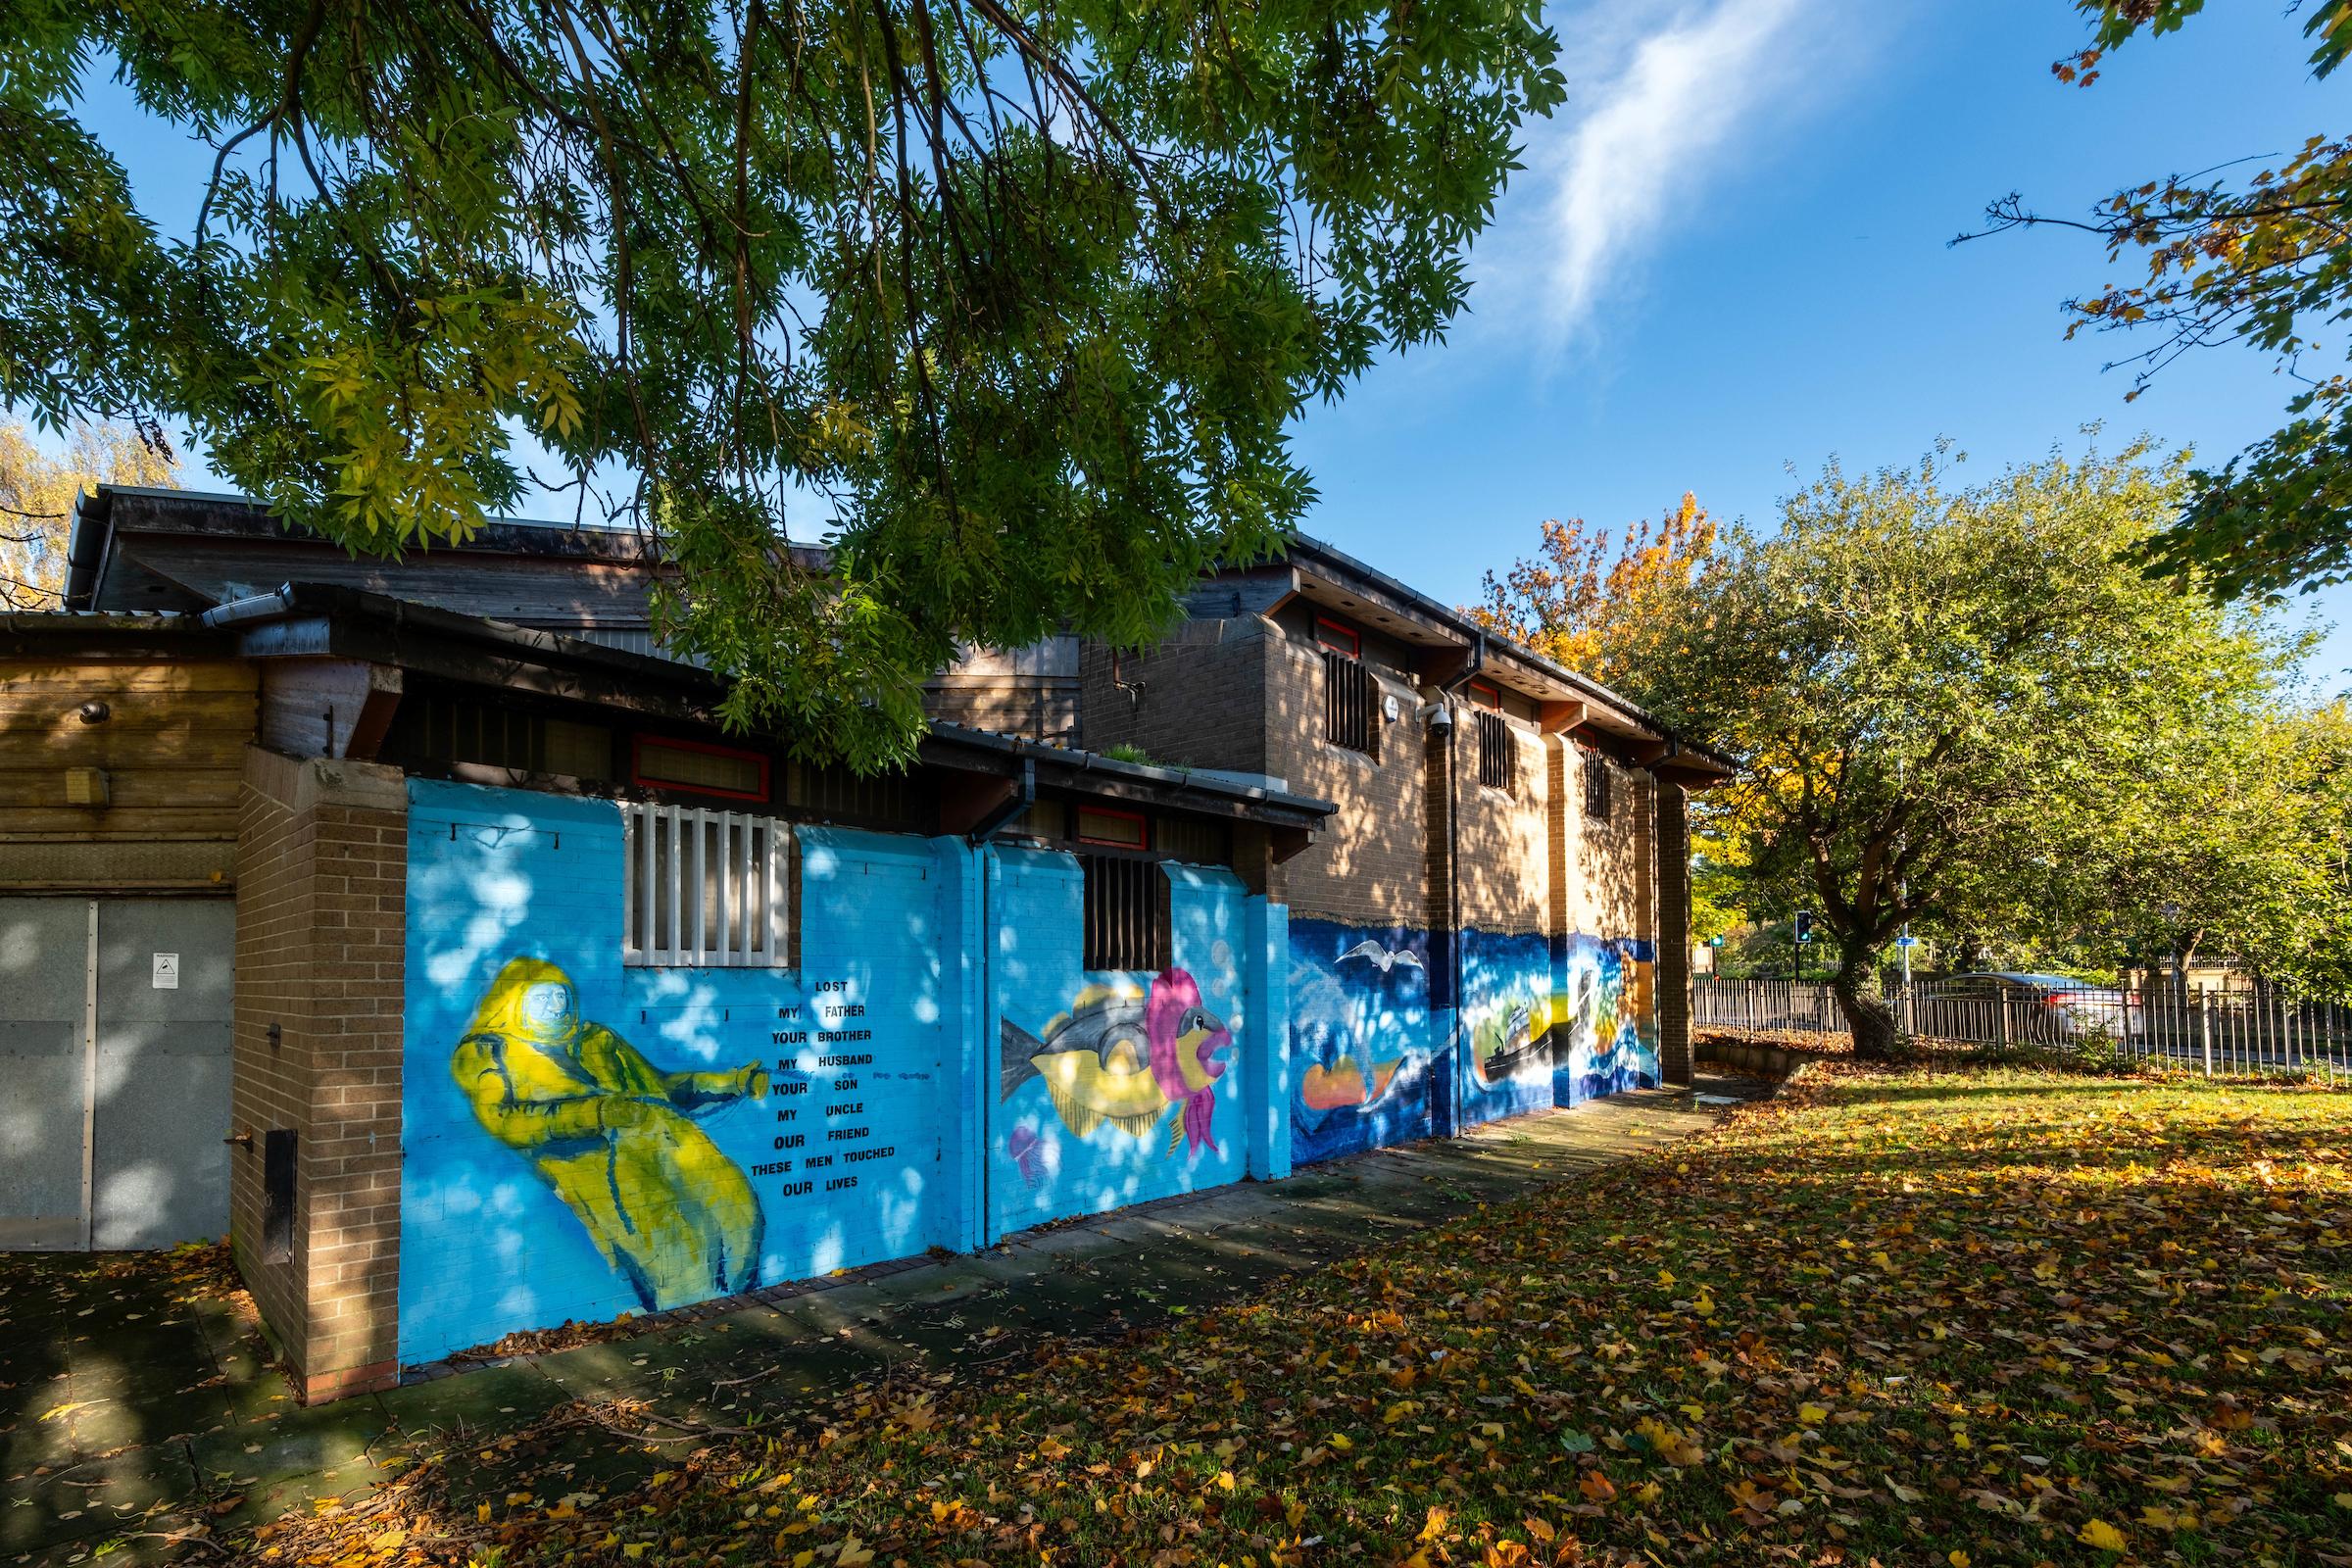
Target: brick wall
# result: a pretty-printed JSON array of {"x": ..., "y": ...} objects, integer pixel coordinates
[
  {"x": 1506, "y": 839},
  {"x": 1609, "y": 863},
  {"x": 1369, "y": 866},
  {"x": 321, "y": 912},
  {"x": 1194, "y": 700},
  {"x": 1673, "y": 934}
]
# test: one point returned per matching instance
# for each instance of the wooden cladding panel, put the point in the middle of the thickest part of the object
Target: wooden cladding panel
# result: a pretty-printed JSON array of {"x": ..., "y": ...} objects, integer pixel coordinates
[
  {"x": 171, "y": 745},
  {"x": 327, "y": 707},
  {"x": 88, "y": 680},
  {"x": 131, "y": 788},
  {"x": 119, "y": 823}
]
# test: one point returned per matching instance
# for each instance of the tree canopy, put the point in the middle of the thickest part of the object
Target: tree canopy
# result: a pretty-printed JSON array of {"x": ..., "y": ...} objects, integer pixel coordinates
[
  {"x": 1015, "y": 298},
  {"x": 2259, "y": 253},
  {"x": 1940, "y": 694}
]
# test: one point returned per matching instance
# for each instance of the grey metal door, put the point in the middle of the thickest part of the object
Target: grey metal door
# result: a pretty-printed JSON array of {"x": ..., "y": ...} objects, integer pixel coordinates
[
  {"x": 44, "y": 1077},
  {"x": 158, "y": 1168},
  {"x": 115, "y": 1050}
]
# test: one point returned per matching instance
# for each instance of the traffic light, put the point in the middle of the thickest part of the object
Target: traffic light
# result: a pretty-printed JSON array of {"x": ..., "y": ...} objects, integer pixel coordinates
[{"x": 1805, "y": 925}]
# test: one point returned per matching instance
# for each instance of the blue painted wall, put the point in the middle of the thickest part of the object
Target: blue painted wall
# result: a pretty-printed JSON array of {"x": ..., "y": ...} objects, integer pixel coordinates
[
  {"x": 582, "y": 1139},
  {"x": 1359, "y": 1062},
  {"x": 1502, "y": 1056},
  {"x": 1113, "y": 1086},
  {"x": 844, "y": 1152},
  {"x": 1607, "y": 1020}
]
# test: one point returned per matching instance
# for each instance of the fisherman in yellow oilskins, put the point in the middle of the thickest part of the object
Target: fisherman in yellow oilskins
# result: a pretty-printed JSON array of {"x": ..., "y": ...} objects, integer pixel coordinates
[{"x": 611, "y": 1134}]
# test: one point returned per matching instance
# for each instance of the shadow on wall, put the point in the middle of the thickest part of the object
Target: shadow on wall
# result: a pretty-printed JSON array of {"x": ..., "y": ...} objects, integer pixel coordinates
[
  {"x": 1360, "y": 1073},
  {"x": 1507, "y": 1018},
  {"x": 1112, "y": 1087},
  {"x": 1607, "y": 1040},
  {"x": 585, "y": 1140},
  {"x": 1370, "y": 862}
]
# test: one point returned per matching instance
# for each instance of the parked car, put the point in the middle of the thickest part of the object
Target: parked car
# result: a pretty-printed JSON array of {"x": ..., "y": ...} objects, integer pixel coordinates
[{"x": 2039, "y": 1006}]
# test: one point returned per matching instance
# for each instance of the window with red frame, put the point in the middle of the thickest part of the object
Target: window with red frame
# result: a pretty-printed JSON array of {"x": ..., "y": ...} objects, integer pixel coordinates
[{"x": 1339, "y": 636}]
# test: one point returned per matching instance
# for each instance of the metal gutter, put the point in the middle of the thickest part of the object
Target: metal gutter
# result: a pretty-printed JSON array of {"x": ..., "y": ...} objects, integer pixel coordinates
[
  {"x": 85, "y": 545},
  {"x": 1183, "y": 780},
  {"x": 258, "y": 606},
  {"x": 1023, "y": 797}
]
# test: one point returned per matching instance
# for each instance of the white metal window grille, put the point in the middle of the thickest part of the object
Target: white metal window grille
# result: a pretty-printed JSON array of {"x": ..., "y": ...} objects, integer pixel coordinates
[{"x": 702, "y": 888}]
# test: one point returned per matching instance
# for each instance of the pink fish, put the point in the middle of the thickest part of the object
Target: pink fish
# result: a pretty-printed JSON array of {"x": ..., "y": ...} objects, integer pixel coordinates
[{"x": 1185, "y": 1038}]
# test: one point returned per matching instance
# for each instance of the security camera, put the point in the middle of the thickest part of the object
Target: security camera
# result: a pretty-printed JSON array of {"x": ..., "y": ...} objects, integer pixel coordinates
[{"x": 1440, "y": 715}]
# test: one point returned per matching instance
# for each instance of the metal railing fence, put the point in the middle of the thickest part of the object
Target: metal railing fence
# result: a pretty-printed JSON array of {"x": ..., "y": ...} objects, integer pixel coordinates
[{"x": 2238, "y": 1033}]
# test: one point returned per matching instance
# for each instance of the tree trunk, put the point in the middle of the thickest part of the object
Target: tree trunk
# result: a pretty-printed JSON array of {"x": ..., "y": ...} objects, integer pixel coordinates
[{"x": 1869, "y": 1017}]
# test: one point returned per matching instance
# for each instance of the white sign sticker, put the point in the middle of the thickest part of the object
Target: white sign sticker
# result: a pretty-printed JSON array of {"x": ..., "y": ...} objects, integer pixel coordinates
[{"x": 167, "y": 971}]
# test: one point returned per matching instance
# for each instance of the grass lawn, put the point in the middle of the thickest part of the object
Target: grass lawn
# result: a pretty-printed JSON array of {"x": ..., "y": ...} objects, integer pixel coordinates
[{"x": 1994, "y": 1317}]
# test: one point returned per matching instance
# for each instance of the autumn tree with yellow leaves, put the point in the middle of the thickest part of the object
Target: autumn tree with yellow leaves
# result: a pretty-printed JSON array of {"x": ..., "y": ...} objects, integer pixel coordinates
[
  {"x": 1573, "y": 599},
  {"x": 37, "y": 491}
]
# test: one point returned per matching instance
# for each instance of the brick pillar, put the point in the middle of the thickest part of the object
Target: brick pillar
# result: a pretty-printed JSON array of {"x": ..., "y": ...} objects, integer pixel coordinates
[
  {"x": 320, "y": 950},
  {"x": 1673, "y": 931}
]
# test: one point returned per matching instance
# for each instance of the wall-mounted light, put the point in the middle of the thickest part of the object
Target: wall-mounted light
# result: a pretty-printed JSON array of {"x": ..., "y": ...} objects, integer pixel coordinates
[{"x": 87, "y": 786}]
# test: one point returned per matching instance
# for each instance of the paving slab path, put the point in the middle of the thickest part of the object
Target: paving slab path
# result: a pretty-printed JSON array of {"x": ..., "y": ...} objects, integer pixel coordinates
[{"x": 133, "y": 1405}]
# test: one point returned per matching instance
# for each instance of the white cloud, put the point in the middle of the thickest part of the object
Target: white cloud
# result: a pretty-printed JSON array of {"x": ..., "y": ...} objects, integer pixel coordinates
[{"x": 1663, "y": 99}]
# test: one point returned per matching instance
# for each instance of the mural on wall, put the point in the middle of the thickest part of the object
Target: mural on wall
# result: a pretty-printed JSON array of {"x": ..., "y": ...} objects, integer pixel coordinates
[
  {"x": 1124, "y": 1056},
  {"x": 1611, "y": 1028},
  {"x": 1360, "y": 1031},
  {"x": 581, "y": 1138},
  {"x": 1111, "y": 1087},
  {"x": 614, "y": 1136},
  {"x": 1507, "y": 1018}
]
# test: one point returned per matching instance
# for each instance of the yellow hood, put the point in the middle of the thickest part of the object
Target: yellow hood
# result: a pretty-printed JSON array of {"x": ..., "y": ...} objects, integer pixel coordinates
[{"x": 504, "y": 1009}]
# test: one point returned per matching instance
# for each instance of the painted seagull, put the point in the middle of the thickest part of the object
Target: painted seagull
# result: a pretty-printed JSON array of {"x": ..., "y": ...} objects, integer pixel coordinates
[{"x": 1386, "y": 957}]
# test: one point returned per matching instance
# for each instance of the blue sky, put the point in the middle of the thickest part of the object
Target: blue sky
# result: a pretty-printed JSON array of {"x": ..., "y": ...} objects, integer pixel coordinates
[{"x": 1728, "y": 255}]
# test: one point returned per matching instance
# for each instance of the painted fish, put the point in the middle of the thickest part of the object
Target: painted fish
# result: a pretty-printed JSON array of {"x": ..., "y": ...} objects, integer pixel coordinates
[
  {"x": 1121, "y": 1057},
  {"x": 1186, "y": 1040}
]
